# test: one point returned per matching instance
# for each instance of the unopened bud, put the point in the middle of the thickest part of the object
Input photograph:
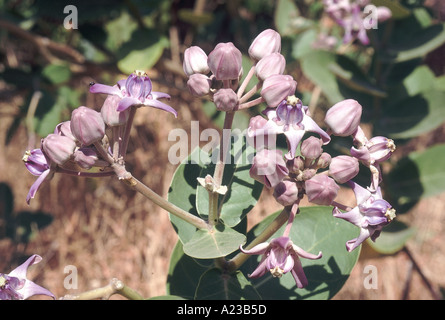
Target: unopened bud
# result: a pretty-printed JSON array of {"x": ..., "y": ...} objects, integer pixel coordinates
[
  {"x": 321, "y": 189},
  {"x": 268, "y": 167},
  {"x": 58, "y": 148},
  {"x": 271, "y": 64},
  {"x": 343, "y": 168},
  {"x": 277, "y": 88},
  {"x": 286, "y": 193},
  {"x": 343, "y": 118},
  {"x": 109, "y": 112},
  {"x": 266, "y": 42},
  {"x": 225, "y": 61},
  {"x": 195, "y": 61},
  {"x": 87, "y": 125},
  {"x": 311, "y": 148},
  {"x": 199, "y": 84},
  {"x": 225, "y": 100}
]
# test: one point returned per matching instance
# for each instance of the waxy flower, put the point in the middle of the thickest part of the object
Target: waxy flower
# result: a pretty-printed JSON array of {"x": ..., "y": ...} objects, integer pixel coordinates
[
  {"x": 277, "y": 88},
  {"x": 292, "y": 119},
  {"x": 16, "y": 286},
  {"x": 136, "y": 90},
  {"x": 268, "y": 167},
  {"x": 280, "y": 256},
  {"x": 199, "y": 84},
  {"x": 225, "y": 61},
  {"x": 343, "y": 168},
  {"x": 87, "y": 125},
  {"x": 343, "y": 118},
  {"x": 321, "y": 189},
  {"x": 371, "y": 214},
  {"x": 273, "y": 63},
  {"x": 195, "y": 61},
  {"x": 286, "y": 193},
  {"x": 58, "y": 148},
  {"x": 38, "y": 165},
  {"x": 225, "y": 100},
  {"x": 267, "y": 42}
]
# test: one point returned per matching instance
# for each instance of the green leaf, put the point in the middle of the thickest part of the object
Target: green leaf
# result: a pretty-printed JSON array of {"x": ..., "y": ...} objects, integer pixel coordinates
[
  {"x": 142, "y": 51},
  {"x": 419, "y": 175},
  {"x": 286, "y": 11},
  {"x": 392, "y": 238},
  {"x": 398, "y": 11},
  {"x": 418, "y": 45},
  {"x": 216, "y": 285},
  {"x": 243, "y": 191},
  {"x": 182, "y": 191},
  {"x": 413, "y": 116},
  {"x": 57, "y": 73},
  {"x": 314, "y": 229},
  {"x": 184, "y": 273},
  {"x": 214, "y": 243}
]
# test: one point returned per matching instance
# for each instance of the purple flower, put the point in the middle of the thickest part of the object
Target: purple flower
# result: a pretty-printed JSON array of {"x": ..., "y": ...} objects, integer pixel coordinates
[
  {"x": 269, "y": 167},
  {"x": 15, "y": 285},
  {"x": 39, "y": 165},
  {"x": 292, "y": 119},
  {"x": 371, "y": 214},
  {"x": 280, "y": 256},
  {"x": 136, "y": 90}
]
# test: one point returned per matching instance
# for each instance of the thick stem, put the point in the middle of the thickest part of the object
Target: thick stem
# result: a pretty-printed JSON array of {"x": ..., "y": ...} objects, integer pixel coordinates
[
  {"x": 246, "y": 82},
  {"x": 224, "y": 144},
  {"x": 115, "y": 287},
  {"x": 163, "y": 203},
  {"x": 276, "y": 224}
]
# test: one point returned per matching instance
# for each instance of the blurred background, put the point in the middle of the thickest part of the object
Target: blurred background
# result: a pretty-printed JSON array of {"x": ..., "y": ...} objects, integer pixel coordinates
[{"x": 106, "y": 230}]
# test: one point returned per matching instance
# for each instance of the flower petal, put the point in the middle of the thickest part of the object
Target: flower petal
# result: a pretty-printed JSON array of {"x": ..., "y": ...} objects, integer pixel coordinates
[
  {"x": 31, "y": 289},
  {"x": 258, "y": 249},
  {"x": 353, "y": 216},
  {"x": 36, "y": 185},
  {"x": 126, "y": 103},
  {"x": 103, "y": 88},
  {"x": 160, "y": 105}
]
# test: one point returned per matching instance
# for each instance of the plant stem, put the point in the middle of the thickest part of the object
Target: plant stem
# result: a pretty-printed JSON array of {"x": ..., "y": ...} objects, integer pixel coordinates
[
  {"x": 132, "y": 182},
  {"x": 234, "y": 263},
  {"x": 163, "y": 203},
  {"x": 115, "y": 287},
  {"x": 224, "y": 144}
]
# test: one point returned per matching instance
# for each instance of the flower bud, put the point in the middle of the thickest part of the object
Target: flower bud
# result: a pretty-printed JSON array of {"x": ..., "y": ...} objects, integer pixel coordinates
[
  {"x": 87, "y": 125},
  {"x": 199, "y": 84},
  {"x": 286, "y": 193},
  {"x": 321, "y": 189},
  {"x": 109, "y": 112},
  {"x": 271, "y": 64},
  {"x": 343, "y": 168},
  {"x": 225, "y": 61},
  {"x": 86, "y": 158},
  {"x": 59, "y": 149},
  {"x": 383, "y": 13},
  {"x": 324, "y": 160},
  {"x": 266, "y": 42},
  {"x": 268, "y": 167},
  {"x": 277, "y": 88},
  {"x": 64, "y": 129},
  {"x": 195, "y": 61},
  {"x": 381, "y": 148},
  {"x": 343, "y": 118},
  {"x": 225, "y": 100},
  {"x": 295, "y": 165},
  {"x": 311, "y": 148}
]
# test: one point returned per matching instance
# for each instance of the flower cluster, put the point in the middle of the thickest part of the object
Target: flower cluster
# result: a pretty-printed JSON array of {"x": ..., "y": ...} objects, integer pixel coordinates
[
  {"x": 305, "y": 169},
  {"x": 16, "y": 286},
  {"x": 91, "y": 141},
  {"x": 355, "y": 17}
]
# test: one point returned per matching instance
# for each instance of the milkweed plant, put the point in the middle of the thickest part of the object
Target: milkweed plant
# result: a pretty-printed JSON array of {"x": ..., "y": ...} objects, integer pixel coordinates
[{"x": 300, "y": 251}]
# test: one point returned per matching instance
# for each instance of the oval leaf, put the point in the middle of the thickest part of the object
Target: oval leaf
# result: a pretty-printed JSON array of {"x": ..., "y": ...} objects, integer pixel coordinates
[{"x": 217, "y": 242}]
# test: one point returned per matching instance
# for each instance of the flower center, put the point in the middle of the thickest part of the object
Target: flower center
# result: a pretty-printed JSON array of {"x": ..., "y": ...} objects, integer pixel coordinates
[
  {"x": 26, "y": 156},
  {"x": 3, "y": 282},
  {"x": 290, "y": 112},
  {"x": 277, "y": 272},
  {"x": 140, "y": 73},
  {"x": 391, "y": 145},
  {"x": 390, "y": 214}
]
